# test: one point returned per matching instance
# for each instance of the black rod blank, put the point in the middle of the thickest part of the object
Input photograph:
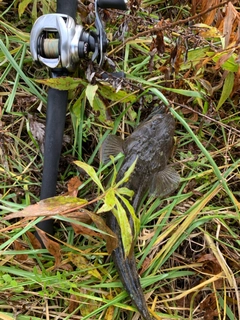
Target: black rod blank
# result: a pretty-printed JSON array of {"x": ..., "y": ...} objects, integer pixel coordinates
[{"x": 55, "y": 123}]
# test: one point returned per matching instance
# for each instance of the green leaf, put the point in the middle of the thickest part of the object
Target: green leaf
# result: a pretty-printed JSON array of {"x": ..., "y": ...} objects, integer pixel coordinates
[
  {"x": 61, "y": 83},
  {"x": 91, "y": 93},
  {"x": 6, "y": 316},
  {"x": 126, "y": 233},
  {"x": 230, "y": 64},
  {"x": 76, "y": 108},
  {"x": 110, "y": 93},
  {"x": 22, "y": 6},
  {"x": 109, "y": 201},
  {"x": 91, "y": 172},
  {"x": 227, "y": 89},
  {"x": 187, "y": 93},
  {"x": 127, "y": 174},
  {"x": 126, "y": 192},
  {"x": 114, "y": 175},
  {"x": 99, "y": 105},
  {"x": 136, "y": 222}
]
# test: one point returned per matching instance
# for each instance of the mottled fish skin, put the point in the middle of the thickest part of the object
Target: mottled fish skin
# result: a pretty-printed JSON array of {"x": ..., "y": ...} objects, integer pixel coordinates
[{"x": 152, "y": 143}]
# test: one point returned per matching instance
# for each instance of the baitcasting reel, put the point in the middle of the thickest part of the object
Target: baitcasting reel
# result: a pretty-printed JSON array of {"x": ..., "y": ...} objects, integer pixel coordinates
[{"x": 56, "y": 40}]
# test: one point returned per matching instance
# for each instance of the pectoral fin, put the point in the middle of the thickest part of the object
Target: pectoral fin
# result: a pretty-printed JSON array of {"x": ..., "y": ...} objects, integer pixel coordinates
[
  {"x": 112, "y": 146},
  {"x": 165, "y": 182}
]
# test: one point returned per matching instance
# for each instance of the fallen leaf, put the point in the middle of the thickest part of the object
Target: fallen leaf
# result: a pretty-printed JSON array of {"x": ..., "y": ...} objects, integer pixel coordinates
[
  {"x": 78, "y": 229},
  {"x": 145, "y": 265},
  {"x": 209, "y": 17},
  {"x": 19, "y": 247},
  {"x": 79, "y": 261},
  {"x": 87, "y": 217},
  {"x": 209, "y": 307},
  {"x": 211, "y": 266},
  {"x": 231, "y": 15},
  {"x": 158, "y": 42},
  {"x": 73, "y": 185},
  {"x": 73, "y": 303},
  {"x": 109, "y": 237},
  {"x": 53, "y": 247},
  {"x": 49, "y": 207},
  {"x": 34, "y": 241}
]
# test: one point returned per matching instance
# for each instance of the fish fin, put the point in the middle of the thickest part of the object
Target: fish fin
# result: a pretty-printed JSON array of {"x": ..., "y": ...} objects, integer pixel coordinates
[
  {"x": 165, "y": 182},
  {"x": 111, "y": 146}
]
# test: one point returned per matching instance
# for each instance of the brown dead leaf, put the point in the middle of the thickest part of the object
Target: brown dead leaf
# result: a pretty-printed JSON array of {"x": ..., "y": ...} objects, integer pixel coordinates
[
  {"x": 176, "y": 56},
  {"x": 34, "y": 241},
  {"x": 110, "y": 237},
  {"x": 166, "y": 71},
  {"x": 145, "y": 265},
  {"x": 134, "y": 5},
  {"x": 230, "y": 17},
  {"x": 49, "y": 207},
  {"x": 210, "y": 263},
  {"x": 78, "y": 229},
  {"x": 158, "y": 42},
  {"x": 73, "y": 303},
  {"x": 211, "y": 266},
  {"x": 236, "y": 85},
  {"x": 82, "y": 216},
  {"x": 210, "y": 16},
  {"x": 53, "y": 247},
  {"x": 87, "y": 217},
  {"x": 19, "y": 247},
  {"x": 209, "y": 307},
  {"x": 73, "y": 186},
  {"x": 66, "y": 266}
]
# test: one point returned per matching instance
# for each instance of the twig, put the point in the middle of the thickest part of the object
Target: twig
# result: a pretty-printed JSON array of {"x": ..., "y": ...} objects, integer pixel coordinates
[
  {"x": 206, "y": 117},
  {"x": 173, "y": 24}
]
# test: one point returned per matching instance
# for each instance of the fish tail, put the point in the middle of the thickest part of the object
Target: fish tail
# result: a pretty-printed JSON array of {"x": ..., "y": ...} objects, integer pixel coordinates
[{"x": 127, "y": 270}]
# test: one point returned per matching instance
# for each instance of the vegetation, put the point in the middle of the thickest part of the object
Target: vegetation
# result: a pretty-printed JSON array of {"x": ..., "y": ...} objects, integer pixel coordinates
[{"x": 188, "y": 248}]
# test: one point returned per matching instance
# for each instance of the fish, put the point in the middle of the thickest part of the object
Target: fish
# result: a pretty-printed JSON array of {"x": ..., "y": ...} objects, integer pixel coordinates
[{"x": 151, "y": 143}]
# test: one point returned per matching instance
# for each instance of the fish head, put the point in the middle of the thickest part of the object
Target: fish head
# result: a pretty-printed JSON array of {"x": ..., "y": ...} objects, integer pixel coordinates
[{"x": 152, "y": 141}]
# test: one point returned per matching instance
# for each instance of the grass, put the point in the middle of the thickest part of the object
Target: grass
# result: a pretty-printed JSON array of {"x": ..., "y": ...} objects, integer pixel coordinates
[{"x": 188, "y": 248}]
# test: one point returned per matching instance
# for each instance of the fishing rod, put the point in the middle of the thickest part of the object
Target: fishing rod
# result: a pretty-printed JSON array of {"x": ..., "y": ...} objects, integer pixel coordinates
[{"x": 59, "y": 43}]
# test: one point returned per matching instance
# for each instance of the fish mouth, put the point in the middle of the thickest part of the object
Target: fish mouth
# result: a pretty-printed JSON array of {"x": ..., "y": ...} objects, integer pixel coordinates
[
  {"x": 158, "y": 118},
  {"x": 157, "y": 111}
]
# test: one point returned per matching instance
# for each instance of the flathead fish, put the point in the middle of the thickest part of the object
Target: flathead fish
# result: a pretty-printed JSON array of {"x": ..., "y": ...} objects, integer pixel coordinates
[{"x": 151, "y": 143}]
